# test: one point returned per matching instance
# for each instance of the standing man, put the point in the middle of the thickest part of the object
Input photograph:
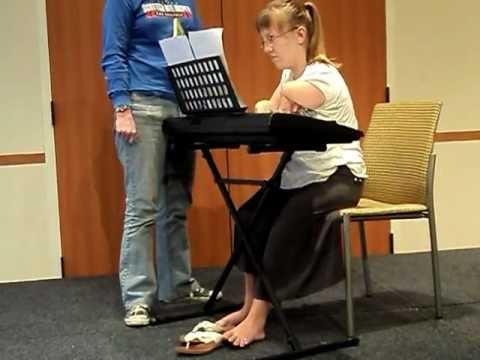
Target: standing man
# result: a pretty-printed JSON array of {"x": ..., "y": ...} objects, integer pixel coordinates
[{"x": 155, "y": 255}]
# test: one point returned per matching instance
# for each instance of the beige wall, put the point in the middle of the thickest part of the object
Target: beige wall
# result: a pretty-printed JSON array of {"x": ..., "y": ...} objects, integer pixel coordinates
[
  {"x": 28, "y": 249},
  {"x": 29, "y": 230},
  {"x": 433, "y": 52},
  {"x": 22, "y": 124}
]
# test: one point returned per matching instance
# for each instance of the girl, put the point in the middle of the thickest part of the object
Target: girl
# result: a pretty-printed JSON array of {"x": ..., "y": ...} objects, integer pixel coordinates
[{"x": 284, "y": 238}]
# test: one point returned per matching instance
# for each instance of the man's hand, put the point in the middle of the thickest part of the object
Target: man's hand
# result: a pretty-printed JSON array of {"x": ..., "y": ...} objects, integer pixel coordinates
[{"x": 125, "y": 125}]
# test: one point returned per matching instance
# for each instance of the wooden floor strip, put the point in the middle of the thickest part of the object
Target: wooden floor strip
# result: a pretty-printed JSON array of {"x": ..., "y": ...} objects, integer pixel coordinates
[{"x": 21, "y": 159}]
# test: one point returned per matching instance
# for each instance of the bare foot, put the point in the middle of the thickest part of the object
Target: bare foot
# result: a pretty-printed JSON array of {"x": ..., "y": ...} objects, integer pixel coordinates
[
  {"x": 248, "y": 331},
  {"x": 229, "y": 321},
  {"x": 252, "y": 328}
]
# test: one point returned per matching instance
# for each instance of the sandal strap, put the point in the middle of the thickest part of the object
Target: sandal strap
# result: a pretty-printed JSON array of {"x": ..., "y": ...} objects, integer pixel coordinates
[
  {"x": 203, "y": 337},
  {"x": 207, "y": 326}
]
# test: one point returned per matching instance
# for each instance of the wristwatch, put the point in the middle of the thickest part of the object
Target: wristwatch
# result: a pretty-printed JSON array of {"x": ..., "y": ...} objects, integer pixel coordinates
[{"x": 122, "y": 108}]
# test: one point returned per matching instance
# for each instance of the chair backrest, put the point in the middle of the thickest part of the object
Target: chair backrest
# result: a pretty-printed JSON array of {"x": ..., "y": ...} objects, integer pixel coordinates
[{"x": 397, "y": 149}]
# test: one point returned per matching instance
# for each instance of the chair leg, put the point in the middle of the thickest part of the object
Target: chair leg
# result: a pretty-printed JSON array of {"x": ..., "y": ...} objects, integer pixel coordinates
[
  {"x": 348, "y": 274},
  {"x": 366, "y": 267},
  {"x": 435, "y": 265}
]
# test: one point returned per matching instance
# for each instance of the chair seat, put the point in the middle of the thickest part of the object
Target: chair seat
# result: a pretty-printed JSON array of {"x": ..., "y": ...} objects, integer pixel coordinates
[{"x": 367, "y": 207}]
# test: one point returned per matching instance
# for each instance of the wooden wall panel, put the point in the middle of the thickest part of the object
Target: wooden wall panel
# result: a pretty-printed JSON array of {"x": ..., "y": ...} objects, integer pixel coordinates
[
  {"x": 89, "y": 175},
  {"x": 355, "y": 37},
  {"x": 90, "y": 189},
  {"x": 211, "y": 12}
]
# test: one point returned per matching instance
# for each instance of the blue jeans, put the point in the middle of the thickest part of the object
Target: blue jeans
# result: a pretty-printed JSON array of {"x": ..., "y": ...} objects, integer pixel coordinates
[{"x": 155, "y": 254}]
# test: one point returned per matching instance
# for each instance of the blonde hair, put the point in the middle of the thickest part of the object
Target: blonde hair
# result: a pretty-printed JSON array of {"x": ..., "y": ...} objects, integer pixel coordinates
[{"x": 293, "y": 14}]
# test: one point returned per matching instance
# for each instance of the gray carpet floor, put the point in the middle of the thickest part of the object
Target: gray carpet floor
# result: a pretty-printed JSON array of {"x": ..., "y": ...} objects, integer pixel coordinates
[{"x": 82, "y": 318}]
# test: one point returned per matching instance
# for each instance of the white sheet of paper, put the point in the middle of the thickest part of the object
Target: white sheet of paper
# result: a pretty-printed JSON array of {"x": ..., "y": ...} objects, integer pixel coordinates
[
  {"x": 176, "y": 50},
  {"x": 206, "y": 43}
]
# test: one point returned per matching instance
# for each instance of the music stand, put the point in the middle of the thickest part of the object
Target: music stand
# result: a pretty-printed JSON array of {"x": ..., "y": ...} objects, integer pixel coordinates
[{"x": 202, "y": 86}]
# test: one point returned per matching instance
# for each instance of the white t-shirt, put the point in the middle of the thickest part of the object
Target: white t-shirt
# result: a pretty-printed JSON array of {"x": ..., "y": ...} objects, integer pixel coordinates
[{"x": 307, "y": 167}]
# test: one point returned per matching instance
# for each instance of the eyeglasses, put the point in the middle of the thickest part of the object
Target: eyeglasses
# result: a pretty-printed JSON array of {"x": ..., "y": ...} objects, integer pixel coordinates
[{"x": 269, "y": 40}]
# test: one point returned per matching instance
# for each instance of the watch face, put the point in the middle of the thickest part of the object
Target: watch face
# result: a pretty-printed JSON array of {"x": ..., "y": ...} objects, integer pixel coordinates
[{"x": 121, "y": 108}]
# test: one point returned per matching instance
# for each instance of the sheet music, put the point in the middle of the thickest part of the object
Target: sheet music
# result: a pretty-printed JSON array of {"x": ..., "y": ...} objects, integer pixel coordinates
[
  {"x": 207, "y": 43},
  {"x": 199, "y": 44},
  {"x": 176, "y": 50}
]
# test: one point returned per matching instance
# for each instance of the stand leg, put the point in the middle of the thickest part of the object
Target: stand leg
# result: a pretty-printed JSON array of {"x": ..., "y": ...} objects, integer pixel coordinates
[{"x": 221, "y": 281}]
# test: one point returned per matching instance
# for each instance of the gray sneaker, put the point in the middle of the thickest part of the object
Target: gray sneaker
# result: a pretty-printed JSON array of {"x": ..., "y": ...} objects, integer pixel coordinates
[
  {"x": 199, "y": 293},
  {"x": 139, "y": 315}
]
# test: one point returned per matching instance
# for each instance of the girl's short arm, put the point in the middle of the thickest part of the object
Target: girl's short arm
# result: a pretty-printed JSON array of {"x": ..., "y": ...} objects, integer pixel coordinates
[
  {"x": 275, "y": 99},
  {"x": 302, "y": 93}
]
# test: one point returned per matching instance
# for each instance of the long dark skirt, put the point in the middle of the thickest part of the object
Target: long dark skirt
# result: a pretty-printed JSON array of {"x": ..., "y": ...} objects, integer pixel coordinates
[{"x": 285, "y": 236}]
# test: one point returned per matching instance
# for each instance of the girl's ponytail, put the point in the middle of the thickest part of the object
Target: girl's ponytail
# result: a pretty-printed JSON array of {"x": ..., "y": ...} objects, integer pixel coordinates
[{"x": 316, "y": 45}]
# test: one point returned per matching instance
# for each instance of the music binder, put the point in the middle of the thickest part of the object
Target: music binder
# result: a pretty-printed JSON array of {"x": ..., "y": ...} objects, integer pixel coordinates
[{"x": 202, "y": 86}]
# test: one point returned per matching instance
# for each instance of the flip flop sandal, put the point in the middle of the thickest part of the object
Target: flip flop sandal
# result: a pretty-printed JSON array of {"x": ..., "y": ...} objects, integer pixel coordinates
[
  {"x": 199, "y": 342},
  {"x": 205, "y": 326}
]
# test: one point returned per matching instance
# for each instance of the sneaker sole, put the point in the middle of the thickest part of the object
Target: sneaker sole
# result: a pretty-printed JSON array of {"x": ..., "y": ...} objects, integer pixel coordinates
[
  {"x": 205, "y": 298},
  {"x": 138, "y": 322}
]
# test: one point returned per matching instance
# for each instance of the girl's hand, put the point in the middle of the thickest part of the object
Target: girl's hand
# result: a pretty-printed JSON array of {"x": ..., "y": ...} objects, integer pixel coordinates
[
  {"x": 125, "y": 125},
  {"x": 287, "y": 106},
  {"x": 263, "y": 106}
]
